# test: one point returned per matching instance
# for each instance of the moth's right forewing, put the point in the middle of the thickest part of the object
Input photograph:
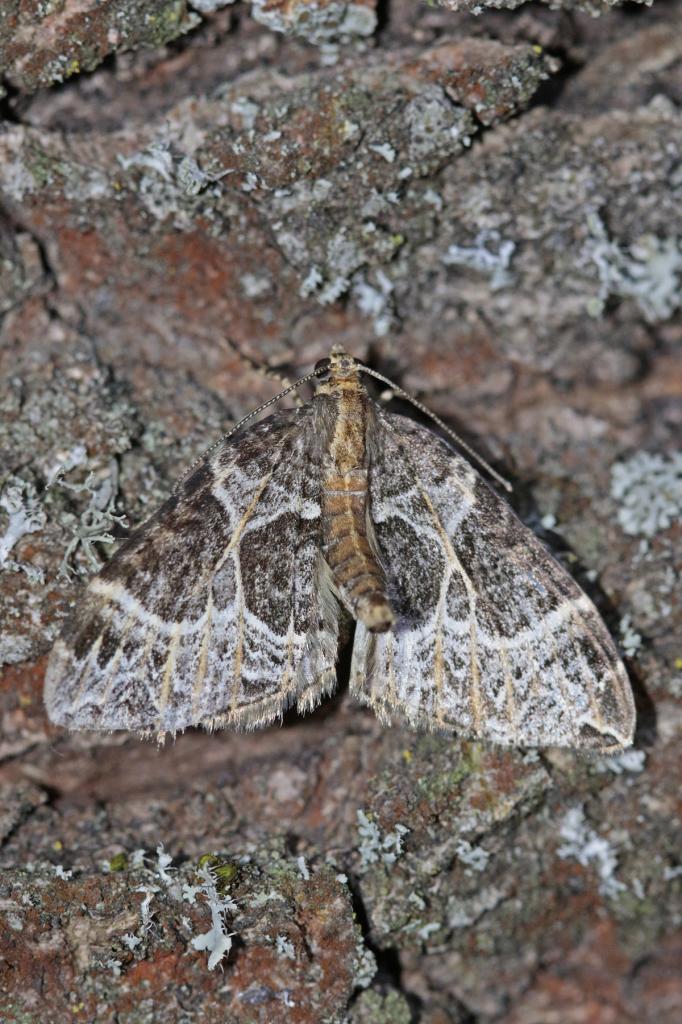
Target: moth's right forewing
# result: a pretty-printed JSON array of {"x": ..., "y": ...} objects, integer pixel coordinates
[{"x": 493, "y": 637}]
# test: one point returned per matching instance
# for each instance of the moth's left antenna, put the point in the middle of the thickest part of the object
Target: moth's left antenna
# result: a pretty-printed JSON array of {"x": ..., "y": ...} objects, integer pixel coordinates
[{"x": 245, "y": 419}]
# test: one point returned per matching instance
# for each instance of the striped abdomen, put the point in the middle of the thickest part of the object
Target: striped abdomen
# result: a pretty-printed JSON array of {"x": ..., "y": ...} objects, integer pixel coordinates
[{"x": 348, "y": 552}]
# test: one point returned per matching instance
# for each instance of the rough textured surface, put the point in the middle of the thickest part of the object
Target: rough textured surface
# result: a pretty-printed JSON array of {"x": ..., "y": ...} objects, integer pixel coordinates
[
  {"x": 43, "y": 44},
  {"x": 488, "y": 209},
  {"x": 591, "y": 7}
]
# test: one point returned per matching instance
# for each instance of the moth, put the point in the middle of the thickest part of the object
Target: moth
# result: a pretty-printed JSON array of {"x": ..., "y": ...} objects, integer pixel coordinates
[{"x": 223, "y": 609}]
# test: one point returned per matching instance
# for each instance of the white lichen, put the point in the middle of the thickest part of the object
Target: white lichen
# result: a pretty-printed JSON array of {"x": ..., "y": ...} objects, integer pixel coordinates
[
  {"x": 648, "y": 272},
  {"x": 590, "y": 849},
  {"x": 247, "y": 110},
  {"x": 311, "y": 282},
  {"x": 623, "y": 761},
  {"x": 146, "y": 913},
  {"x": 364, "y": 966},
  {"x": 261, "y": 899},
  {"x": 285, "y": 947},
  {"x": 156, "y": 157},
  {"x": 321, "y": 23},
  {"x": 375, "y": 301},
  {"x": 217, "y": 940},
  {"x": 255, "y": 285},
  {"x": 192, "y": 179},
  {"x": 630, "y": 639},
  {"x": 433, "y": 198},
  {"x": 474, "y": 857},
  {"x": 384, "y": 150},
  {"x": 648, "y": 489},
  {"x": 25, "y": 515},
  {"x": 251, "y": 182},
  {"x": 137, "y": 858},
  {"x": 333, "y": 290},
  {"x": 209, "y": 6},
  {"x": 370, "y": 840},
  {"x": 490, "y": 254},
  {"x": 163, "y": 862},
  {"x": 376, "y": 847},
  {"x": 167, "y": 182}
]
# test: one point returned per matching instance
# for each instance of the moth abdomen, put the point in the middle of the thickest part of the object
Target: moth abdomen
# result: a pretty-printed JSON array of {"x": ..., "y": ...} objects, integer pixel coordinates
[{"x": 348, "y": 551}]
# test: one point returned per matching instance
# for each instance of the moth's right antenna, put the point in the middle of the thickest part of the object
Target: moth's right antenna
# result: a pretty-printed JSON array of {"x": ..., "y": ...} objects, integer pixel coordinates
[{"x": 443, "y": 426}]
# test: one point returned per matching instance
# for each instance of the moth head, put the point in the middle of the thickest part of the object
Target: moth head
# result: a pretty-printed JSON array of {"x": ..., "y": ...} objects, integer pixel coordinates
[
  {"x": 342, "y": 363},
  {"x": 337, "y": 368}
]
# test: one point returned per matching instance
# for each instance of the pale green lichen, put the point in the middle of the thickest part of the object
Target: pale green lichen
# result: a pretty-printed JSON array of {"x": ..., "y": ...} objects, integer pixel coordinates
[
  {"x": 372, "y": 1007},
  {"x": 95, "y": 521}
]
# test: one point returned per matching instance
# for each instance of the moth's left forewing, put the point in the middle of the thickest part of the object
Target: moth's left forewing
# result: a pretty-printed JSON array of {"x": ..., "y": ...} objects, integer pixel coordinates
[
  {"x": 493, "y": 637},
  {"x": 213, "y": 612}
]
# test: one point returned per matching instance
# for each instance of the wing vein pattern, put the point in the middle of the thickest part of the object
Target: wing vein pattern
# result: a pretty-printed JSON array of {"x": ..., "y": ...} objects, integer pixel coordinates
[
  {"x": 493, "y": 638},
  {"x": 216, "y": 611}
]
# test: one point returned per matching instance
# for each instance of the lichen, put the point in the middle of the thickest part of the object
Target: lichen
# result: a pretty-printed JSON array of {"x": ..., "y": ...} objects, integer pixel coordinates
[
  {"x": 364, "y": 966},
  {"x": 217, "y": 940},
  {"x": 474, "y": 857},
  {"x": 648, "y": 272},
  {"x": 373, "y": 1007},
  {"x": 377, "y": 847},
  {"x": 490, "y": 254},
  {"x": 583, "y": 844},
  {"x": 25, "y": 515},
  {"x": 95, "y": 521},
  {"x": 624, "y": 761},
  {"x": 319, "y": 21},
  {"x": 631, "y": 640},
  {"x": 648, "y": 489}
]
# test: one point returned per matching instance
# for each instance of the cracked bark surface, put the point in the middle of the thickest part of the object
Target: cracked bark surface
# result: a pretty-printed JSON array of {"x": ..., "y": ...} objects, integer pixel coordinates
[{"x": 487, "y": 209}]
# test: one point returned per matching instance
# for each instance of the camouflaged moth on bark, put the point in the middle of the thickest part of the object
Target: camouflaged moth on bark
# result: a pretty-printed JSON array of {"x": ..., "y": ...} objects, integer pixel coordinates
[{"x": 223, "y": 609}]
